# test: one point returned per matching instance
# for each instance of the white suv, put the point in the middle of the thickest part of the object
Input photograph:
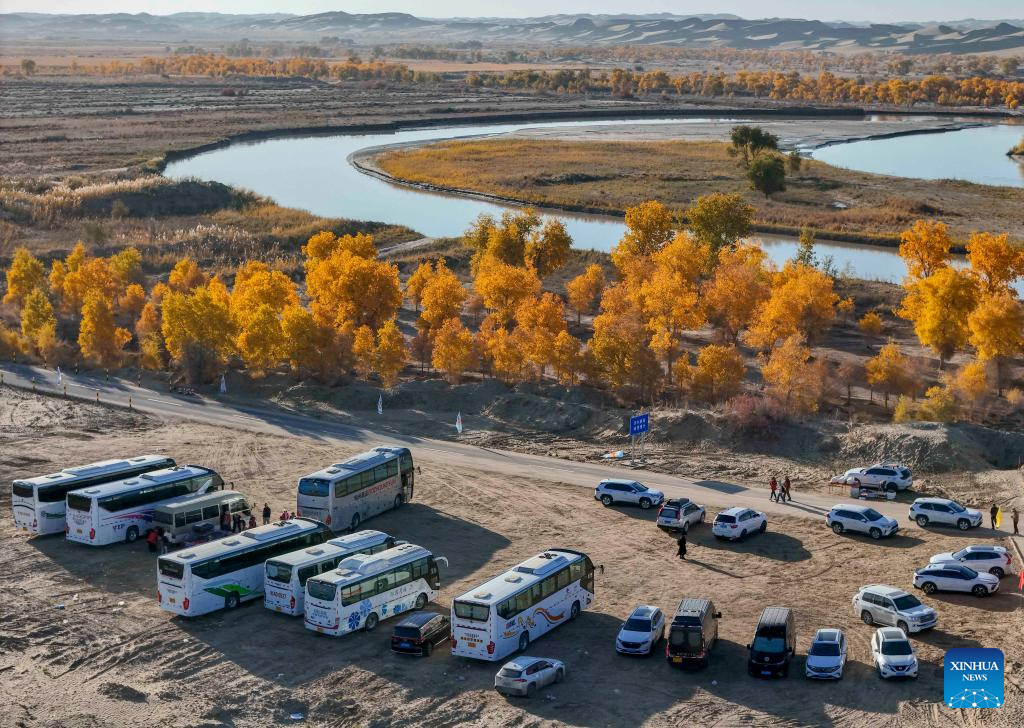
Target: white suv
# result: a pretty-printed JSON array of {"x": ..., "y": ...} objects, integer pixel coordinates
[
  {"x": 613, "y": 490},
  {"x": 955, "y": 577},
  {"x": 736, "y": 524},
  {"x": 860, "y": 519},
  {"x": 881, "y": 604},
  {"x": 944, "y": 512},
  {"x": 892, "y": 653},
  {"x": 993, "y": 559},
  {"x": 889, "y": 477},
  {"x": 641, "y": 632},
  {"x": 678, "y": 514}
]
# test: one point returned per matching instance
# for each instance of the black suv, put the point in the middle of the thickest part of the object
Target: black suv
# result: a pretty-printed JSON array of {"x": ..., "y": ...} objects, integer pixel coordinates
[{"x": 420, "y": 632}]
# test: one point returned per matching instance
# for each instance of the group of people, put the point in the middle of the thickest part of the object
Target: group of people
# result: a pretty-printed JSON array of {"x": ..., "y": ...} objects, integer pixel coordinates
[
  {"x": 996, "y": 516},
  {"x": 236, "y": 522},
  {"x": 780, "y": 492},
  {"x": 157, "y": 540}
]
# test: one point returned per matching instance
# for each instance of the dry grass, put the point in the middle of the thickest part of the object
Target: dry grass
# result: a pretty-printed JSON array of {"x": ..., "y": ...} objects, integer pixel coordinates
[{"x": 611, "y": 176}]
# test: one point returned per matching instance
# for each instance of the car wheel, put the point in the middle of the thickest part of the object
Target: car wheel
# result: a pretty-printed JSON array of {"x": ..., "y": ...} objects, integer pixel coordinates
[
  {"x": 427, "y": 649},
  {"x": 928, "y": 588},
  {"x": 574, "y": 611},
  {"x": 922, "y": 521},
  {"x": 686, "y": 527},
  {"x": 231, "y": 601},
  {"x": 702, "y": 516},
  {"x": 645, "y": 503},
  {"x": 837, "y": 528},
  {"x": 421, "y": 601},
  {"x": 889, "y": 487},
  {"x": 560, "y": 675},
  {"x": 875, "y": 533},
  {"x": 764, "y": 526},
  {"x": 903, "y": 625},
  {"x": 399, "y": 500},
  {"x": 355, "y": 522},
  {"x": 996, "y": 572},
  {"x": 131, "y": 535},
  {"x": 866, "y": 618},
  {"x": 785, "y": 670},
  {"x": 524, "y": 641},
  {"x": 743, "y": 535},
  {"x": 963, "y": 524},
  {"x": 371, "y": 621},
  {"x": 979, "y": 591},
  {"x": 531, "y": 689},
  {"x": 606, "y": 500}
]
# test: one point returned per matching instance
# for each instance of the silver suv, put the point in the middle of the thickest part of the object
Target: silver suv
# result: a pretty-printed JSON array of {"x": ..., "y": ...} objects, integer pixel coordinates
[
  {"x": 613, "y": 490},
  {"x": 860, "y": 519},
  {"x": 889, "y": 477},
  {"x": 944, "y": 512},
  {"x": 887, "y": 605}
]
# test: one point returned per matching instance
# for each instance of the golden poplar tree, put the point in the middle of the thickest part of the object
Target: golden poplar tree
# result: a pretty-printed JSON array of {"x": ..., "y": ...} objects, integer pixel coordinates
[
  {"x": 996, "y": 329},
  {"x": 939, "y": 306},
  {"x": 453, "y": 350},
  {"x": 792, "y": 377},
  {"x": 738, "y": 288},
  {"x": 99, "y": 338},
  {"x": 717, "y": 375},
  {"x": 36, "y": 315},
  {"x": 391, "y": 353},
  {"x": 25, "y": 275},
  {"x": 584, "y": 290},
  {"x": 925, "y": 248},
  {"x": 442, "y": 297},
  {"x": 417, "y": 282},
  {"x": 889, "y": 371}
]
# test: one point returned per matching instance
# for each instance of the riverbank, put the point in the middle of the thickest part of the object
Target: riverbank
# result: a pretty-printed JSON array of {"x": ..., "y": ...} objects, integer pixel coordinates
[{"x": 594, "y": 170}]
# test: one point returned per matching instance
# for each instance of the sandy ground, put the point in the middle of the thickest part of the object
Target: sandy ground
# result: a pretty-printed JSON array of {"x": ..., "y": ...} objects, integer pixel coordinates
[{"x": 112, "y": 656}]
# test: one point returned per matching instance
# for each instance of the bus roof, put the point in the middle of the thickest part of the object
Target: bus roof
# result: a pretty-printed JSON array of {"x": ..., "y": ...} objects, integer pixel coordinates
[
  {"x": 333, "y": 547},
  {"x": 102, "y": 467},
  {"x": 359, "y": 463},
  {"x": 245, "y": 539},
  {"x": 360, "y": 566},
  {"x": 185, "y": 502},
  {"x": 155, "y": 477},
  {"x": 529, "y": 572}
]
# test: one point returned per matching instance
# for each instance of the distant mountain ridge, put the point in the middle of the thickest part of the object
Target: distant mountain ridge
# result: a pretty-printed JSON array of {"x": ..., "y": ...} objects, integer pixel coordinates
[{"x": 703, "y": 31}]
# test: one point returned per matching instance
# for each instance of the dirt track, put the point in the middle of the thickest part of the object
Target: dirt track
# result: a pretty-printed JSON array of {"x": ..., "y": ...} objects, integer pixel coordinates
[{"x": 99, "y": 662}]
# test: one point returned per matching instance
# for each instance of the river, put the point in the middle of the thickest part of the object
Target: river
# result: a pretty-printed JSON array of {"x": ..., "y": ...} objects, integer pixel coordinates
[{"x": 313, "y": 173}]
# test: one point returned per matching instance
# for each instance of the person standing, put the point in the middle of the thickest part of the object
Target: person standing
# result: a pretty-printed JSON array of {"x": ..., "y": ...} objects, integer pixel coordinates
[
  {"x": 1016, "y": 518},
  {"x": 165, "y": 542},
  {"x": 151, "y": 539},
  {"x": 994, "y": 513},
  {"x": 266, "y": 513},
  {"x": 786, "y": 487},
  {"x": 681, "y": 550},
  {"x": 252, "y": 520},
  {"x": 773, "y": 484}
]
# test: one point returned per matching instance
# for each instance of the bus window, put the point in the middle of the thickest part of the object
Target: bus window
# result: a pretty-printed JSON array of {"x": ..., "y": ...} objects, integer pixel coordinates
[
  {"x": 419, "y": 569},
  {"x": 523, "y": 601},
  {"x": 547, "y": 587},
  {"x": 179, "y": 519},
  {"x": 239, "y": 505},
  {"x": 194, "y": 516},
  {"x": 392, "y": 466},
  {"x": 563, "y": 578},
  {"x": 211, "y": 512},
  {"x": 576, "y": 570},
  {"x": 403, "y": 575},
  {"x": 305, "y": 572},
  {"x": 406, "y": 462},
  {"x": 380, "y": 473},
  {"x": 507, "y": 609},
  {"x": 366, "y": 479}
]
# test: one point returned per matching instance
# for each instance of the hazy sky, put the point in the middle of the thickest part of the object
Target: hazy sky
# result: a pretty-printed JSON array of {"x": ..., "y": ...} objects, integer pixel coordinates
[{"x": 874, "y": 10}]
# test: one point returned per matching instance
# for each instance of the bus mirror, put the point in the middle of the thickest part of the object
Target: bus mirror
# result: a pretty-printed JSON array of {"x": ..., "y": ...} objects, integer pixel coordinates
[
  {"x": 442, "y": 560},
  {"x": 600, "y": 568},
  {"x": 400, "y": 542}
]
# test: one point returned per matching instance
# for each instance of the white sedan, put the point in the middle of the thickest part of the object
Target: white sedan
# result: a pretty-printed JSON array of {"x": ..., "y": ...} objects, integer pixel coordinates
[
  {"x": 736, "y": 524},
  {"x": 993, "y": 559},
  {"x": 955, "y": 577}
]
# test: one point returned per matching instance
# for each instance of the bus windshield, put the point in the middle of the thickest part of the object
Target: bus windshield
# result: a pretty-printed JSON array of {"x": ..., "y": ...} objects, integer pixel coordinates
[
  {"x": 171, "y": 569},
  {"x": 23, "y": 490},
  {"x": 475, "y": 612},
  {"x": 276, "y": 571},
  {"x": 322, "y": 590},
  {"x": 316, "y": 487},
  {"x": 79, "y": 502}
]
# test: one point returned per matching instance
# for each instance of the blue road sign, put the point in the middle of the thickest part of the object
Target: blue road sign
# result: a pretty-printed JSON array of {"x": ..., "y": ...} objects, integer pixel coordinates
[{"x": 638, "y": 425}]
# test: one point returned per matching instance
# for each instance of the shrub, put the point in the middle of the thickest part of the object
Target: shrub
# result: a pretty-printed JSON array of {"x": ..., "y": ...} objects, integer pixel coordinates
[{"x": 758, "y": 417}]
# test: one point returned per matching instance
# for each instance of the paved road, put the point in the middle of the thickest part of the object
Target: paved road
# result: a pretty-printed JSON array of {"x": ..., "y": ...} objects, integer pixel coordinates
[{"x": 228, "y": 413}]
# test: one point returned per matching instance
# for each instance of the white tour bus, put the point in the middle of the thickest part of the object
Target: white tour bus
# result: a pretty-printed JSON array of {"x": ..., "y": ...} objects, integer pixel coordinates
[
  {"x": 284, "y": 586},
  {"x": 123, "y": 510},
  {"x": 185, "y": 518},
  {"x": 513, "y": 609},
  {"x": 226, "y": 572},
  {"x": 367, "y": 588},
  {"x": 39, "y": 502},
  {"x": 347, "y": 493}
]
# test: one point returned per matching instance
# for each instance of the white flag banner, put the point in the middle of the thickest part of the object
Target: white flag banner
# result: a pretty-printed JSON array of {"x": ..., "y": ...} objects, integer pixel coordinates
[
  {"x": 223, "y": 385},
  {"x": 60, "y": 376},
  {"x": 458, "y": 423},
  {"x": 380, "y": 404}
]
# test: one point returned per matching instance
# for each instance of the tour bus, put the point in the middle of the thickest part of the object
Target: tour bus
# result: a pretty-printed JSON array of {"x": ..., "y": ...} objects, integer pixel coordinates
[
  {"x": 180, "y": 517},
  {"x": 123, "y": 510},
  {"x": 39, "y": 502},
  {"x": 284, "y": 586},
  {"x": 513, "y": 609},
  {"x": 226, "y": 572},
  {"x": 366, "y": 588},
  {"x": 347, "y": 493}
]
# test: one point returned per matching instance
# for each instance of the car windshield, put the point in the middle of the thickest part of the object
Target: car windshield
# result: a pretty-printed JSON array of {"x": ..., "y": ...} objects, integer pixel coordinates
[
  {"x": 510, "y": 672},
  {"x": 769, "y": 644},
  {"x": 316, "y": 487},
  {"x": 725, "y": 519},
  {"x": 872, "y": 515},
  {"x": 907, "y": 601},
  {"x": 824, "y": 649},
  {"x": 904, "y": 473},
  {"x": 640, "y": 487},
  {"x": 637, "y": 624},
  {"x": 956, "y": 507},
  {"x": 896, "y": 647}
]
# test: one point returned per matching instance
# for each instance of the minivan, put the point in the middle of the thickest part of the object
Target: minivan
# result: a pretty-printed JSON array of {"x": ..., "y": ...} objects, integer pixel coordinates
[
  {"x": 774, "y": 643},
  {"x": 692, "y": 634},
  {"x": 180, "y": 518}
]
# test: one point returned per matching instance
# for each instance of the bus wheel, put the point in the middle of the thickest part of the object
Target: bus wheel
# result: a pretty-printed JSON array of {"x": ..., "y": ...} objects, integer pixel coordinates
[
  {"x": 355, "y": 521},
  {"x": 399, "y": 500},
  {"x": 421, "y": 601},
  {"x": 575, "y": 611},
  {"x": 371, "y": 622},
  {"x": 131, "y": 534},
  {"x": 231, "y": 601},
  {"x": 524, "y": 641}
]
